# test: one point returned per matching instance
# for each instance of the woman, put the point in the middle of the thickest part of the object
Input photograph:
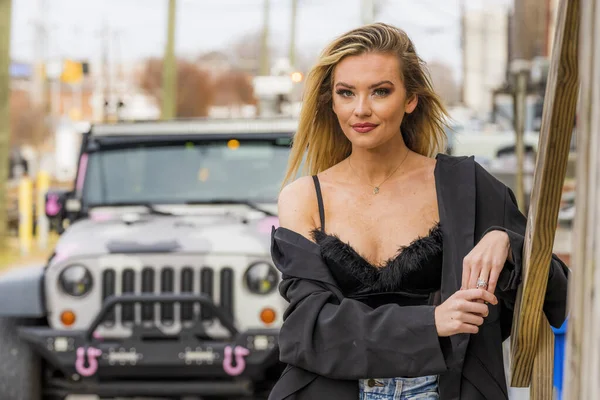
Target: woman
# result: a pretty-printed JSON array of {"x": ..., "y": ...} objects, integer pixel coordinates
[{"x": 400, "y": 266}]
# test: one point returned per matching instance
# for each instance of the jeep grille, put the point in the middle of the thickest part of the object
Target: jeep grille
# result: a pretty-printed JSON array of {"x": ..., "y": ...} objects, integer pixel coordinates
[{"x": 162, "y": 280}]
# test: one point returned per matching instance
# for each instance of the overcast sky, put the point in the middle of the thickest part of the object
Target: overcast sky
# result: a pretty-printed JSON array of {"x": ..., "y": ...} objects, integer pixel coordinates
[{"x": 204, "y": 25}]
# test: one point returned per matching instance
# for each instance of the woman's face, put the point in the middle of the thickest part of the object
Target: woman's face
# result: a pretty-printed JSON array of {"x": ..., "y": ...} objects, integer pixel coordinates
[{"x": 369, "y": 98}]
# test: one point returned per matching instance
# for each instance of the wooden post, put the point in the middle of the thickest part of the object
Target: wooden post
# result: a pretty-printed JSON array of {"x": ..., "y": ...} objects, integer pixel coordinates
[
  {"x": 582, "y": 365},
  {"x": 551, "y": 165},
  {"x": 543, "y": 365},
  {"x": 5, "y": 16}
]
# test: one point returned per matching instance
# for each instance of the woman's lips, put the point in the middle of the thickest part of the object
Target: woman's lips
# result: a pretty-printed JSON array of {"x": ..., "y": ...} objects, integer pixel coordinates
[{"x": 364, "y": 127}]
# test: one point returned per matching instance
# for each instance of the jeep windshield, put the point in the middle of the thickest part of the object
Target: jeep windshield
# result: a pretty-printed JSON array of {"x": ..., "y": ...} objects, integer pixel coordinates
[{"x": 187, "y": 172}]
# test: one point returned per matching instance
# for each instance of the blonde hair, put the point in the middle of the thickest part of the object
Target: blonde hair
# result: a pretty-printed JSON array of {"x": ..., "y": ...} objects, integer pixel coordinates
[{"x": 319, "y": 132}]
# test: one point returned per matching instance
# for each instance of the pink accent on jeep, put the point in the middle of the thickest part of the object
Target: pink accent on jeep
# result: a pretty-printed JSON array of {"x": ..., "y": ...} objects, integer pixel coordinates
[
  {"x": 240, "y": 363},
  {"x": 52, "y": 206},
  {"x": 63, "y": 252},
  {"x": 83, "y": 161},
  {"x": 265, "y": 224},
  {"x": 92, "y": 355}
]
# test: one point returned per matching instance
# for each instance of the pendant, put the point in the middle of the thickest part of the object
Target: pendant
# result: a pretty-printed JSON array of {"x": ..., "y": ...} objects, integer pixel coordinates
[{"x": 376, "y": 190}]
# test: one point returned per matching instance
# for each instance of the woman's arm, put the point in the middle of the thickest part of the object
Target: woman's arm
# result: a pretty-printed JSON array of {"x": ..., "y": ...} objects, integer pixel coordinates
[
  {"x": 555, "y": 303},
  {"x": 349, "y": 340}
]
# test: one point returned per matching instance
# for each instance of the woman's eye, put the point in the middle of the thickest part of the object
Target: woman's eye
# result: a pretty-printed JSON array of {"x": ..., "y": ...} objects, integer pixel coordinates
[
  {"x": 344, "y": 93},
  {"x": 381, "y": 92}
]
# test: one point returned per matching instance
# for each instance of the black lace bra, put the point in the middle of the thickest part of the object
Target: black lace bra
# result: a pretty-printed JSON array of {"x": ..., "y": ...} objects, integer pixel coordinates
[{"x": 409, "y": 278}]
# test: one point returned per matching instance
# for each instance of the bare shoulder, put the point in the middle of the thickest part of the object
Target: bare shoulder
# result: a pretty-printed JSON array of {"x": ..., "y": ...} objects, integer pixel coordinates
[
  {"x": 424, "y": 168},
  {"x": 297, "y": 205}
]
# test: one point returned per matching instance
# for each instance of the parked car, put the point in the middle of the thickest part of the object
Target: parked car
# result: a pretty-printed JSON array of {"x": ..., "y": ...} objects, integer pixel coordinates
[{"x": 161, "y": 283}]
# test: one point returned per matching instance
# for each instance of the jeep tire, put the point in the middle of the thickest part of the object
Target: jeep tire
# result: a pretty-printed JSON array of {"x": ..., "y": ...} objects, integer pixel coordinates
[{"x": 20, "y": 366}]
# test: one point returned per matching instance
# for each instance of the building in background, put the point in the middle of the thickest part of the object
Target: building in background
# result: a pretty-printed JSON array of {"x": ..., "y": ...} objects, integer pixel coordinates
[
  {"x": 531, "y": 27},
  {"x": 486, "y": 56}
]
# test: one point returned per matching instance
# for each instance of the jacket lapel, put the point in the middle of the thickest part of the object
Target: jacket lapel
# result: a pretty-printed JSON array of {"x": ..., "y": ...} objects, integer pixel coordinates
[
  {"x": 455, "y": 185},
  {"x": 292, "y": 253}
]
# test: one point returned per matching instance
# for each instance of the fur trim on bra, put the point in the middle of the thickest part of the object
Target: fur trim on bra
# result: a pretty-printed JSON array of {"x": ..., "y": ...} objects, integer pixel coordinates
[{"x": 416, "y": 266}]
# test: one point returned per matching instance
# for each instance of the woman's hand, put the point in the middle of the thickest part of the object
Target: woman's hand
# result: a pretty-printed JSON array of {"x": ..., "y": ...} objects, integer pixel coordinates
[
  {"x": 483, "y": 264},
  {"x": 463, "y": 312}
]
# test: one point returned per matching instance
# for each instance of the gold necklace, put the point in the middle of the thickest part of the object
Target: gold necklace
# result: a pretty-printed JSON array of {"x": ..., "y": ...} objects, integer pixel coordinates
[{"x": 376, "y": 188}]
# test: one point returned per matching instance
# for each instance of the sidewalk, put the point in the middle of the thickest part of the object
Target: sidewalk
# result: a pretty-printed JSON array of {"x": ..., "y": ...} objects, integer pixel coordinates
[{"x": 12, "y": 257}]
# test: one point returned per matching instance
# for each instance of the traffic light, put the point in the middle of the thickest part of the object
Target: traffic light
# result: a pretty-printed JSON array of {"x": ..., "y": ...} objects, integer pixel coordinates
[{"x": 72, "y": 71}]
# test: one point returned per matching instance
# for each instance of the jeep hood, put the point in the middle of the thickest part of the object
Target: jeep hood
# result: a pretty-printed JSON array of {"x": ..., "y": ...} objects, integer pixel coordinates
[{"x": 226, "y": 234}]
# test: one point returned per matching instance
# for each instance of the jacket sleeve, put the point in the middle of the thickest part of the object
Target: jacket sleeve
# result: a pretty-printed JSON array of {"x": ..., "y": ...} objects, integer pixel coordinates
[
  {"x": 349, "y": 340},
  {"x": 555, "y": 303},
  {"x": 340, "y": 338}
]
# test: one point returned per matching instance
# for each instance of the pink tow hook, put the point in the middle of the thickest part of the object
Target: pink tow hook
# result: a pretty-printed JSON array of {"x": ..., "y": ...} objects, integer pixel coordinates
[
  {"x": 240, "y": 363},
  {"x": 92, "y": 355}
]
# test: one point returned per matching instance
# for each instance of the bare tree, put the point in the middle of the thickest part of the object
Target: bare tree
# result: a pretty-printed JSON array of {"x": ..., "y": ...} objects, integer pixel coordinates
[
  {"x": 195, "y": 90},
  {"x": 234, "y": 88},
  {"x": 27, "y": 121}
]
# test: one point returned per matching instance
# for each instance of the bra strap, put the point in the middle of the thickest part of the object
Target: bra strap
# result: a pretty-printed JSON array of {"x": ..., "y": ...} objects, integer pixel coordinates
[{"x": 320, "y": 202}]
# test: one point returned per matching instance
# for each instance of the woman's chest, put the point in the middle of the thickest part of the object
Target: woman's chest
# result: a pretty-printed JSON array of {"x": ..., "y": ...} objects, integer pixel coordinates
[{"x": 378, "y": 231}]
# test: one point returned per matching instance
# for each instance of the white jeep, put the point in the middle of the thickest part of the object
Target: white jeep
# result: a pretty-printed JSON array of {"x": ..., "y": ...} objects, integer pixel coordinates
[{"x": 161, "y": 284}]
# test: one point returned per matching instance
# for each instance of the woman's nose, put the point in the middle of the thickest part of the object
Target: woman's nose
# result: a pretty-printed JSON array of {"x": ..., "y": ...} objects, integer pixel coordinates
[{"x": 363, "y": 107}]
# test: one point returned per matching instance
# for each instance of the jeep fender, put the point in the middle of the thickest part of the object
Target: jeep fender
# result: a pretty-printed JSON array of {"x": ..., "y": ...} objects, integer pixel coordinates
[{"x": 21, "y": 292}]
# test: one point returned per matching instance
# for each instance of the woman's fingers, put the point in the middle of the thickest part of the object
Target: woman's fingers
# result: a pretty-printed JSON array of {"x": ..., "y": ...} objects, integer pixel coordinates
[
  {"x": 494, "y": 276},
  {"x": 465, "y": 276},
  {"x": 475, "y": 270},
  {"x": 476, "y": 308},
  {"x": 477, "y": 294},
  {"x": 472, "y": 319}
]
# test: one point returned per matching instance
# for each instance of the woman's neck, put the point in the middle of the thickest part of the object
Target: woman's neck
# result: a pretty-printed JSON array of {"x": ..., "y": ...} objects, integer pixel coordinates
[{"x": 376, "y": 165}]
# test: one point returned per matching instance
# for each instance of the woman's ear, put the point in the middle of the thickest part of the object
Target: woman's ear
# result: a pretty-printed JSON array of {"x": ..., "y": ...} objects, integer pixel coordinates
[{"x": 411, "y": 104}]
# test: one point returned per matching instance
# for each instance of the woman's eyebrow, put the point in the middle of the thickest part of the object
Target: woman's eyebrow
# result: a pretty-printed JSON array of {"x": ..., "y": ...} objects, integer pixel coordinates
[{"x": 370, "y": 87}]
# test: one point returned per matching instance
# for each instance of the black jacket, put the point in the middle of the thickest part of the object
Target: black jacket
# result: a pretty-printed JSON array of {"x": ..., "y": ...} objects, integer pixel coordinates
[{"x": 329, "y": 342}]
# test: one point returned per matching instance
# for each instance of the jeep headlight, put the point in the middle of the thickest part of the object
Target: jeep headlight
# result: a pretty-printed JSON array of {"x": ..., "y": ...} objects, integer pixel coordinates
[
  {"x": 261, "y": 278},
  {"x": 75, "y": 280}
]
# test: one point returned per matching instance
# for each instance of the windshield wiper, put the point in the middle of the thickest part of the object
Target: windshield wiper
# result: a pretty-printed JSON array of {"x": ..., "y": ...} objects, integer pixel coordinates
[
  {"x": 154, "y": 211},
  {"x": 247, "y": 203},
  {"x": 150, "y": 207}
]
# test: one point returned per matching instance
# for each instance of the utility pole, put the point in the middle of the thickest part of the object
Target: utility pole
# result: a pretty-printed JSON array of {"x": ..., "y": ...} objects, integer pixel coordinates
[
  {"x": 264, "y": 51},
  {"x": 38, "y": 87},
  {"x": 5, "y": 16},
  {"x": 293, "y": 24},
  {"x": 520, "y": 70},
  {"x": 105, "y": 37},
  {"x": 120, "y": 74},
  {"x": 169, "y": 80}
]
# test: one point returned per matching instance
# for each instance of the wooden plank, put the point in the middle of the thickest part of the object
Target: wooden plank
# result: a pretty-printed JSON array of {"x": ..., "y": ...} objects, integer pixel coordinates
[
  {"x": 541, "y": 381},
  {"x": 582, "y": 347},
  {"x": 551, "y": 164}
]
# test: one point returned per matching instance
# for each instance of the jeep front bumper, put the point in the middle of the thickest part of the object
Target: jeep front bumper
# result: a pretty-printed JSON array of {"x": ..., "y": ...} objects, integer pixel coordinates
[{"x": 148, "y": 362}]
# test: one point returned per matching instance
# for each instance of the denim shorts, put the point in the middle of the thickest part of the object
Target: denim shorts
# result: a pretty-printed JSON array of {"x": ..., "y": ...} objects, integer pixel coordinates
[{"x": 421, "y": 388}]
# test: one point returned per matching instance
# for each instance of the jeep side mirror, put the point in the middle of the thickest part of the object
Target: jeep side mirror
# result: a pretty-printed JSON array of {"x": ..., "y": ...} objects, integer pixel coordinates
[
  {"x": 59, "y": 204},
  {"x": 55, "y": 203}
]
